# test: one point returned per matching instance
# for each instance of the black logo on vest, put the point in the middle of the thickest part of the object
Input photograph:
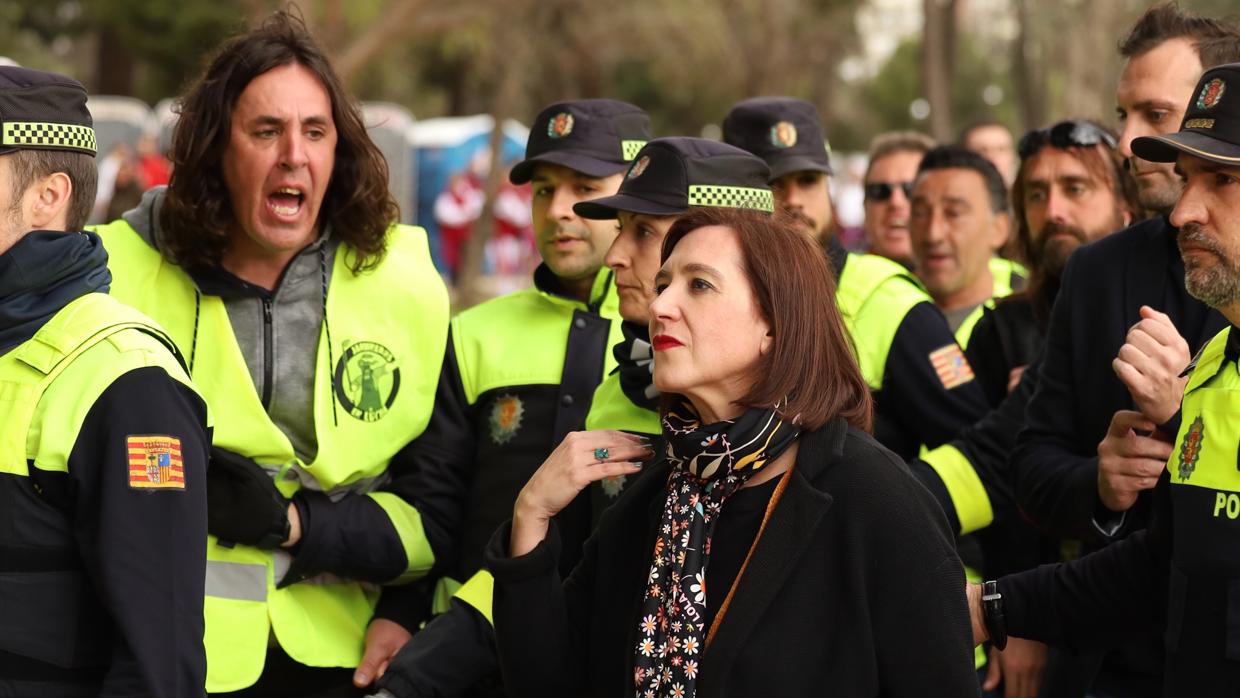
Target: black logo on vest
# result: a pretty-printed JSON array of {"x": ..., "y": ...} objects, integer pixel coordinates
[{"x": 366, "y": 380}]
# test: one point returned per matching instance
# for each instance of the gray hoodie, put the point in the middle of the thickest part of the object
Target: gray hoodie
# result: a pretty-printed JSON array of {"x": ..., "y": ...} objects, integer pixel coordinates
[{"x": 277, "y": 331}]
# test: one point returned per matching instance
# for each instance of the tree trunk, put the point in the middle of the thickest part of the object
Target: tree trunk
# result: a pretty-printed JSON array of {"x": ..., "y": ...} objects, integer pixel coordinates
[
  {"x": 1026, "y": 73},
  {"x": 938, "y": 47},
  {"x": 115, "y": 65}
]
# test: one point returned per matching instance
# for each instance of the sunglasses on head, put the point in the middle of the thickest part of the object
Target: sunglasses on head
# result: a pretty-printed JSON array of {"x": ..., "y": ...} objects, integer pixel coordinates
[
  {"x": 1063, "y": 135},
  {"x": 881, "y": 191}
]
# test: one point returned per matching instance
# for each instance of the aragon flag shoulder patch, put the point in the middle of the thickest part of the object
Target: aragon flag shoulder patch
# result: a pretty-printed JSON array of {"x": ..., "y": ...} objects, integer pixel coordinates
[
  {"x": 155, "y": 463},
  {"x": 952, "y": 367}
]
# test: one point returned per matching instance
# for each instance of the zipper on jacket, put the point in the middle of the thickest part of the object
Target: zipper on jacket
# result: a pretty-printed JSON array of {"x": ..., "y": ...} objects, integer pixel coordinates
[{"x": 267, "y": 352}]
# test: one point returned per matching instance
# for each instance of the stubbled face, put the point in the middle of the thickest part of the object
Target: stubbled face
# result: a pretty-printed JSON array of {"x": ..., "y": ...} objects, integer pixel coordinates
[
  {"x": 1154, "y": 90},
  {"x": 279, "y": 160},
  {"x": 634, "y": 257},
  {"x": 572, "y": 246},
  {"x": 12, "y": 209},
  {"x": 1066, "y": 205},
  {"x": 706, "y": 327},
  {"x": 954, "y": 233},
  {"x": 804, "y": 195},
  {"x": 995, "y": 144},
  {"x": 1208, "y": 216},
  {"x": 886, "y": 221}
]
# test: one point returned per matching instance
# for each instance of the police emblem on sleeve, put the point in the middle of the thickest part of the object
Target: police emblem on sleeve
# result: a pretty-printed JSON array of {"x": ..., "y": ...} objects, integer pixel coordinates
[
  {"x": 1211, "y": 94},
  {"x": 951, "y": 366},
  {"x": 366, "y": 380},
  {"x": 155, "y": 463},
  {"x": 783, "y": 135},
  {"x": 1190, "y": 448},
  {"x": 560, "y": 126},
  {"x": 505, "y": 418}
]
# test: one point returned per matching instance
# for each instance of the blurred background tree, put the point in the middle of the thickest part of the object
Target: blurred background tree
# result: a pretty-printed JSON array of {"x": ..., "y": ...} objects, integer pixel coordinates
[{"x": 870, "y": 65}]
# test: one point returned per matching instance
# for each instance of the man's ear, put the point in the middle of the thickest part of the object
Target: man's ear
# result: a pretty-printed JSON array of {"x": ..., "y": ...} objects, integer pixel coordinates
[
  {"x": 47, "y": 201},
  {"x": 1002, "y": 230}
]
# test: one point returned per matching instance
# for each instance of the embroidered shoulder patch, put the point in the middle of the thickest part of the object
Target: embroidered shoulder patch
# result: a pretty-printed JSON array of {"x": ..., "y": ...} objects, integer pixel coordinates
[
  {"x": 155, "y": 463},
  {"x": 1190, "y": 448},
  {"x": 505, "y": 419},
  {"x": 952, "y": 367}
]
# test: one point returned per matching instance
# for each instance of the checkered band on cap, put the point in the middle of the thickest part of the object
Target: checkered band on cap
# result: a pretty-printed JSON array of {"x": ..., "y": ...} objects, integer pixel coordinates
[
  {"x": 630, "y": 148},
  {"x": 731, "y": 197},
  {"x": 28, "y": 134}
]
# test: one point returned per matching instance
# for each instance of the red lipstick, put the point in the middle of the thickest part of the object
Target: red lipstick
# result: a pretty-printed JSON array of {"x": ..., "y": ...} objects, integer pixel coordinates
[{"x": 662, "y": 342}]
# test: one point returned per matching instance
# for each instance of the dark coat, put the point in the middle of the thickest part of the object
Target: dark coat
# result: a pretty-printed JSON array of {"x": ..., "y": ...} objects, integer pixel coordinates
[
  {"x": 854, "y": 589},
  {"x": 1055, "y": 464}
]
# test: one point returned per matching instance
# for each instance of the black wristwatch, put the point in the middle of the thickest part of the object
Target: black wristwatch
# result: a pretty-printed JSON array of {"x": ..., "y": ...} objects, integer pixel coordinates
[{"x": 992, "y": 614}]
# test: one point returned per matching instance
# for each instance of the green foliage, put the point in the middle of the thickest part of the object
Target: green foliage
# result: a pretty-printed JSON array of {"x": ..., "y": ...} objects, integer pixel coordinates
[
  {"x": 889, "y": 95},
  {"x": 166, "y": 40}
]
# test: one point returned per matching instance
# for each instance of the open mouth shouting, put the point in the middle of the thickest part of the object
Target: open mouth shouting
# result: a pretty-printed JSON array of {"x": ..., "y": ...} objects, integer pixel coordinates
[{"x": 286, "y": 202}]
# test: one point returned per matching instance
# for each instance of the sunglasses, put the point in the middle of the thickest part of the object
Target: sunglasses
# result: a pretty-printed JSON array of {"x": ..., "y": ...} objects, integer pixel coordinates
[
  {"x": 1063, "y": 135},
  {"x": 881, "y": 191}
]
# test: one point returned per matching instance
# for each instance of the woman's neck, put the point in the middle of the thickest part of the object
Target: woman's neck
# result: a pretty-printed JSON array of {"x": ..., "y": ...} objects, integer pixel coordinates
[{"x": 780, "y": 466}]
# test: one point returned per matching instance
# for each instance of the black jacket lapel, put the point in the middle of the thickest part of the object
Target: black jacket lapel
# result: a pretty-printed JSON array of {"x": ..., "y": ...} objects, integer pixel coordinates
[
  {"x": 788, "y": 535},
  {"x": 1146, "y": 267}
]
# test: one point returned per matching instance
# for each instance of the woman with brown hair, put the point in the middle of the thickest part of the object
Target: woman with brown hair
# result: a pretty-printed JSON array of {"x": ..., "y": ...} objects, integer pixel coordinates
[{"x": 775, "y": 548}]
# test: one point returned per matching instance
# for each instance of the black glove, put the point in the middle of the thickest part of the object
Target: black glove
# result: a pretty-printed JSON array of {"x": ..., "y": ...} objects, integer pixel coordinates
[{"x": 243, "y": 504}]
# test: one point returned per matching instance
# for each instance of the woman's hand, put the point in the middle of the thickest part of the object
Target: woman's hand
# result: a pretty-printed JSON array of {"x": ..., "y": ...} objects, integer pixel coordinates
[{"x": 570, "y": 468}]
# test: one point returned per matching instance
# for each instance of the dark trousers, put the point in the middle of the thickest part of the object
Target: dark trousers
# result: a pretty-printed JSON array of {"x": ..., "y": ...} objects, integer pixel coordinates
[{"x": 284, "y": 677}]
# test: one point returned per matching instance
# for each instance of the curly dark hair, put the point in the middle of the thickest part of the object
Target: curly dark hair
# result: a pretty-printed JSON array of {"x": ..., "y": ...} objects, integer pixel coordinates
[{"x": 197, "y": 213}]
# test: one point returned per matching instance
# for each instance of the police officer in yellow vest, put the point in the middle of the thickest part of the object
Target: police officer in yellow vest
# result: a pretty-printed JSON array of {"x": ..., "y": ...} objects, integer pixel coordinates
[
  {"x": 960, "y": 217},
  {"x": 103, "y": 443},
  {"x": 1178, "y": 577},
  {"x": 518, "y": 376},
  {"x": 924, "y": 392},
  {"x": 315, "y": 328}
]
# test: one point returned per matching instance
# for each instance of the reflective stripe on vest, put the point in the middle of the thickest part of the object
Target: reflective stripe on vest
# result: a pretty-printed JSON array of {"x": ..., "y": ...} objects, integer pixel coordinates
[
  {"x": 611, "y": 409},
  {"x": 479, "y": 591},
  {"x": 963, "y": 486},
  {"x": 48, "y": 384},
  {"x": 873, "y": 295},
  {"x": 388, "y": 329},
  {"x": 1008, "y": 277}
]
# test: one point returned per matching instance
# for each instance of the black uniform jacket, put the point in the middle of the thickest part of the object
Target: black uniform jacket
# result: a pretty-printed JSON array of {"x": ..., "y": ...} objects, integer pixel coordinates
[
  {"x": 913, "y": 408},
  {"x": 1006, "y": 337},
  {"x": 1055, "y": 463},
  {"x": 854, "y": 589},
  {"x": 1134, "y": 587}
]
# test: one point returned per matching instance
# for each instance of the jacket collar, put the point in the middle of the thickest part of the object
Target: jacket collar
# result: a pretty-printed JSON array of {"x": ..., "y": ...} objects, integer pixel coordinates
[
  {"x": 1146, "y": 280},
  {"x": 602, "y": 293},
  {"x": 218, "y": 281},
  {"x": 837, "y": 256}
]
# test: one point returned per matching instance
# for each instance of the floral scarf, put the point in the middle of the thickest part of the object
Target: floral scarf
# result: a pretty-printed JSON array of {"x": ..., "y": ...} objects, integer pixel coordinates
[
  {"x": 709, "y": 463},
  {"x": 635, "y": 361}
]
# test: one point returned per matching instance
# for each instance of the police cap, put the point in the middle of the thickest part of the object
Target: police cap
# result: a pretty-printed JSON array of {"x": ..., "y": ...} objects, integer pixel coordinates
[
  {"x": 1211, "y": 126},
  {"x": 596, "y": 137},
  {"x": 783, "y": 131},
  {"x": 43, "y": 111},
  {"x": 669, "y": 175}
]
